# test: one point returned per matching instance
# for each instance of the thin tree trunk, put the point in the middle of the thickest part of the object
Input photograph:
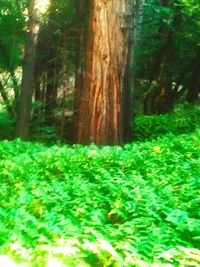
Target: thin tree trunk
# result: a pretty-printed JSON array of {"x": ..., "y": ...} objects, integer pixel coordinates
[
  {"x": 81, "y": 10},
  {"x": 51, "y": 93},
  {"x": 27, "y": 86},
  {"x": 194, "y": 81},
  {"x": 100, "y": 118}
]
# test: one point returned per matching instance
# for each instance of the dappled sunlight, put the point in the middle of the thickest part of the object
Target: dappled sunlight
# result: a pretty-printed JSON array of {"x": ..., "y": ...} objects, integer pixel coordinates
[
  {"x": 42, "y": 5},
  {"x": 52, "y": 262},
  {"x": 71, "y": 256},
  {"x": 5, "y": 261},
  {"x": 78, "y": 205}
]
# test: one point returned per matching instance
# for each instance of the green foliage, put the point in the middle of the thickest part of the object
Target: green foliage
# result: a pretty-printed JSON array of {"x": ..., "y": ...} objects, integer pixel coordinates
[
  {"x": 12, "y": 34},
  {"x": 136, "y": 205},
  {"x": 183, "y": 119},
  {"x": 160, "y": 17},
  {"x": 6, "y": 125},
  {"x": 45, "y": 133}
]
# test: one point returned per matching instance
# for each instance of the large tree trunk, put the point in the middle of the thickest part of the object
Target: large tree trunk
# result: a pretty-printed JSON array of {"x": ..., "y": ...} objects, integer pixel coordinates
[
  {"x": 100, "y": 118},
  {"x": 25, "y": 99}
]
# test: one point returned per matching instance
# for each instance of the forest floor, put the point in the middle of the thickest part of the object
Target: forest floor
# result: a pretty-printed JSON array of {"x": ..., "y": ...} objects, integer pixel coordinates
[{"x": 78, "y": 206}]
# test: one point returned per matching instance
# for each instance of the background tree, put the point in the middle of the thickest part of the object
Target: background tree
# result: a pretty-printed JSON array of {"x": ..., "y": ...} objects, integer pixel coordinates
[
  {"x": 25, "y": 100},
  {"x": 12, "y": 23},
  {"x": 170, "y": 50},
  {"x": 57, "y": 64}
]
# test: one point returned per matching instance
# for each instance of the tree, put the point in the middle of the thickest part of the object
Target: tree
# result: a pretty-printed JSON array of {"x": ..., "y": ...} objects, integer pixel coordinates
[
  {"x": 100, "y": 116},
  {"x": 81, "y": 13},
  {"x": 58, "y": 43},
  {"x": 161, "y": 98},
  {"x": 167, "y": 54},
  {"x": 194, "y": 80},
  {"x": 27, "y": 86},
  {"x": 12, "y": 21}
]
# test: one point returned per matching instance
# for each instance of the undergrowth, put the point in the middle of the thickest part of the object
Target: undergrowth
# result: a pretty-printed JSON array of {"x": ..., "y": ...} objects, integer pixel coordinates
[
  {"x": 185, "y": 118},
  {"x": 77, "y": 206},
  {"x": 6, "y": 126}
]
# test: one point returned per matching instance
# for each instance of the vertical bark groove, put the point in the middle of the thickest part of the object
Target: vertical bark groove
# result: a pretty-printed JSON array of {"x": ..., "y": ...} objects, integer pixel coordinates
[{"x": 100, "y": 117}]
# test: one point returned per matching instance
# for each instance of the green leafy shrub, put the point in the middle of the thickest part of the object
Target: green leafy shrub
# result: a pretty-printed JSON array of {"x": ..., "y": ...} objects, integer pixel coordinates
[
  {"x": 112, "y": 206},
  {"x": 45, "y": 134},
  {"x": 6, "y": 126},
  {"x": 183, "y": 119}
]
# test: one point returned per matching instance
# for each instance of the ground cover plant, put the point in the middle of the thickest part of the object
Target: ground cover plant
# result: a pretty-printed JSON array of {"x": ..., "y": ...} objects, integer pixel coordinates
[
  {"x": 136, "y": 205},
  {"x": 184, "y": 118}
]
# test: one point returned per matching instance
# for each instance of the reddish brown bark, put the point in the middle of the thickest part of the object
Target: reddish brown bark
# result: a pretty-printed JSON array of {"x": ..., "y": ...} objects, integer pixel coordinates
[{"x": 100, "y": 117}]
